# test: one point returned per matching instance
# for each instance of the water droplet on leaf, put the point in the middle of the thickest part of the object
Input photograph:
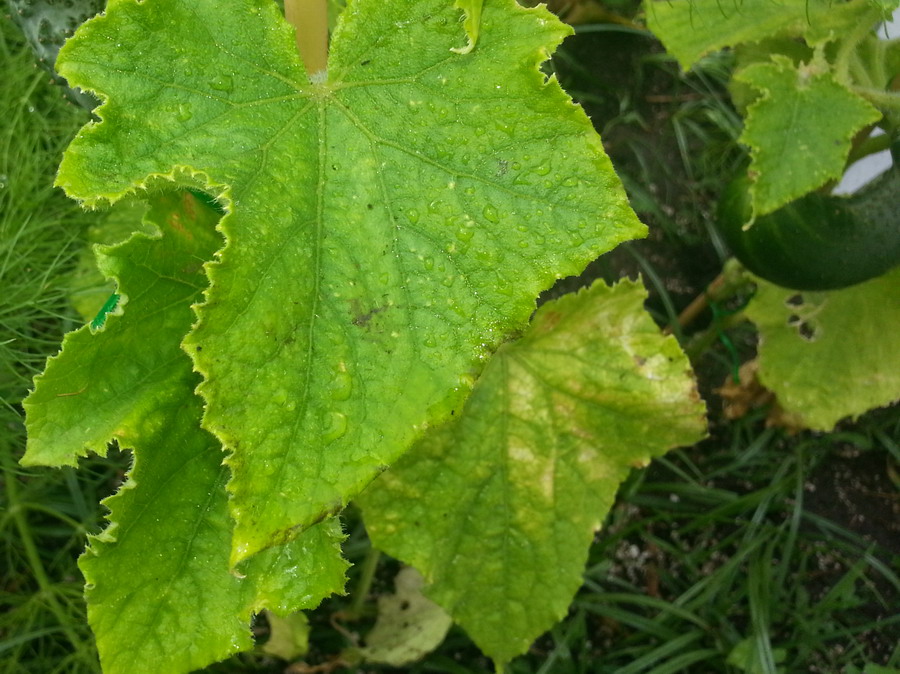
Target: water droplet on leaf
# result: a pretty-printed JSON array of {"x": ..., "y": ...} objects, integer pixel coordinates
[
  {"x": 222, "y": 83},
  {"x": 341, "y": 386},
  {"x": 336, "y": 426}
]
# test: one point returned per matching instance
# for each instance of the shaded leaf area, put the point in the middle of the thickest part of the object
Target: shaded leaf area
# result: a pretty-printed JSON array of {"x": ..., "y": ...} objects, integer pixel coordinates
[
  {"x": 829, "y": 355},
  {"x": 498, "y": 509},
  {"x": 799, "y": 129},
  {"x": 409, "y": 625},
  {"x": 691, "y": 29},
  {"x": 159, "y": 584},
  {"x": 288, "y": 636},
  {"x": 388, "y": 227}
]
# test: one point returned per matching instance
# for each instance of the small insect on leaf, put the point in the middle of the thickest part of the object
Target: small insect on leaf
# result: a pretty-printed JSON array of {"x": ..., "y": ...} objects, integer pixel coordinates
[{"x": 100, "y": 319}]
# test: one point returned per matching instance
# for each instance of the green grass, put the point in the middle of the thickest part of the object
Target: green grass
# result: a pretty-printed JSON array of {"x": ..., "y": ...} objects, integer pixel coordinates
[
  {"x": 732, "y": 556},
  {"x": 45, "y": 514}
]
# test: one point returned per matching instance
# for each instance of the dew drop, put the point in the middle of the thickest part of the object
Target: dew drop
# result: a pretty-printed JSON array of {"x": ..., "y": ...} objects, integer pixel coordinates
[
  {"x": 465, "y": 234},
  {"x": 542, "y": 170},
  {"x": 430, "y": 342},
  {"x": 336, "y": 426},
  {"x": 490, "y": 213},
  {"x": 184, "y": 112},
  {"x": 428, "y": 263},
  {"x": 341, "y": 385},
  {"x": 413, "y": 215},
  {"x": 222, "y": 83}
]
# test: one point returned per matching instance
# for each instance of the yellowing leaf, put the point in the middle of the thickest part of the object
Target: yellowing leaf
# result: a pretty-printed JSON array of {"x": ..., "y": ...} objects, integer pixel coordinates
[
  {"x": 830, "y": 355},
  {"x": 498, "y": 509},
  {"x": 409, "y": 625},
  {"x": 388, "y": 228}
]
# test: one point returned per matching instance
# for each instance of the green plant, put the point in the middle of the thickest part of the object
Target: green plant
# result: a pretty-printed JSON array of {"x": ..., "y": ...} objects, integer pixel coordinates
[
  {"x": 829, "y": 63},
  {"x": 845, "y": 240},
  {"x": 588, "y": 376}
]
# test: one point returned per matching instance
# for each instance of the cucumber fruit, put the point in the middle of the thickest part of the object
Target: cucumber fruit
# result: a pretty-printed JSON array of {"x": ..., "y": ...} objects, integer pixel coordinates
[{"x": 818, "y": 242}]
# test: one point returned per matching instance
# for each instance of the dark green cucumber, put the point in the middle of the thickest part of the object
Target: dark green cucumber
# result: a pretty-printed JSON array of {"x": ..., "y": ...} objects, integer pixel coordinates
[{"x": 818, "y": 242}]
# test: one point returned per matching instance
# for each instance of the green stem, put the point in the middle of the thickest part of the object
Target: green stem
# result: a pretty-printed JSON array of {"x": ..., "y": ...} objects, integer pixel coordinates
[
  {"x": 16, "y": 511},
  {"x": 860, "y": 73},
  {"x": 849, "y": 44},
  {"x": 889, "y": 100},
  {"x": 310, "y": 19},
  {"x": 700, "y": 343},
  {"x": 366, "y": 576},
  {"x": 870, "y": 145}
]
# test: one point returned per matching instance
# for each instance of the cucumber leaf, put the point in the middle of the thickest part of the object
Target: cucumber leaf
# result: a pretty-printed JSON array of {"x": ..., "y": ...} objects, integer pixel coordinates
[
  {"x": 108, "y": 378},
  {"x": 691, "y": 29},
  {"x": 409, "y": 625},
  {"x": 387, "y": 227},
  {"x": 828, "y": 355},
  {"x": 498, "y": 509},
  {"x": 159, "y": 586},
  {"x": 799, "y": 129}
]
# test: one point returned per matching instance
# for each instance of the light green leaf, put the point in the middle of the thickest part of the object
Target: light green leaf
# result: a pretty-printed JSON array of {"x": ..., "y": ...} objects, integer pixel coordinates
[
  {"x": 409, "y": 625},
  {"x": 388, "y": 228},
  {"x": 471, "y": 22},
  {"x": 799, "y": 130},
  {"x": 690, "y": 29},
  {"x": 498, "y": 509},
  {"x": 830, "y": 355},
  {"x": 88, "y": 288},
  {"x": 288, "y": 636},
  {"x": 160, "y": 588}
]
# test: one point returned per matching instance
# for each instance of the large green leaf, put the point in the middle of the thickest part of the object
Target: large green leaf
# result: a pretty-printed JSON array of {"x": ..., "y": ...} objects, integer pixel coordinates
[
  {"x": 830, "y": 355},
  {"x": 498, "y": 508},
  {"x": 690, "y": 29},
  {"x": 160, "y": 588},
  {"x": 388, "y": 227},
  {"x": 799, "y": 130}
]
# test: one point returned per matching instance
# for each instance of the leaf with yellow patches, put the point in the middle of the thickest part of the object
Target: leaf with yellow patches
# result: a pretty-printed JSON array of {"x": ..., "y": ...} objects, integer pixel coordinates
[{"x": 498, "y": 509}]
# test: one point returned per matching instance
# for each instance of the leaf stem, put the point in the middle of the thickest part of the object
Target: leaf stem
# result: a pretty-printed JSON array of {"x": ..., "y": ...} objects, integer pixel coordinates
[
  {"x": 364, "y": 584},
  {"x": 310, "y": 20},
  {"x": 851, "y": 41},
  {"x": 699, "y": 303},
  {"x": 886, "y": 100},
  {"x": 869, "y": 145}
]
